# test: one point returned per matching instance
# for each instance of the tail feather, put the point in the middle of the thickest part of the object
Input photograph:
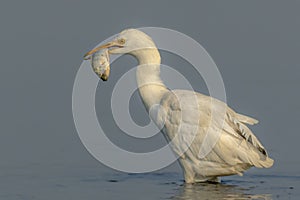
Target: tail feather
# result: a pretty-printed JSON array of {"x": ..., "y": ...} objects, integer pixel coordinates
[
  {"x": 267, "y": 163},
  {"x": 246, "y": 119}
]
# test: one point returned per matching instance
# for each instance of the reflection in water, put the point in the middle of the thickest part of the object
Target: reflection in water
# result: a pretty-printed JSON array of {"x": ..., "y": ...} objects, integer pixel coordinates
[{"x": 216, "y": 191}]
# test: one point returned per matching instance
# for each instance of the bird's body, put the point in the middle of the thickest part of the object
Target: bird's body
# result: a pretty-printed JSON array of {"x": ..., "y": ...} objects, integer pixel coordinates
[
  {"x": 236, "y": 149},
  {"x": 191, "y": 121}
]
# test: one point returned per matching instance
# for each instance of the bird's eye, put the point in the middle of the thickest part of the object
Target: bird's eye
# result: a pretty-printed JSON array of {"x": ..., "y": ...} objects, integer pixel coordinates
[{"x": 121, "y": 41}]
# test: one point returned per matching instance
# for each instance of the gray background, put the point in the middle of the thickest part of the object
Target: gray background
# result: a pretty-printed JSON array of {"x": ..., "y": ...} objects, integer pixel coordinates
[{"x": 254, "y": 43}]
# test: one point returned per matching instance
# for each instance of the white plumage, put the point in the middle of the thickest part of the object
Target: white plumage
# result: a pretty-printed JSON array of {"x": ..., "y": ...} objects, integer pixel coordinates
[{"x": 188, "y": 118}]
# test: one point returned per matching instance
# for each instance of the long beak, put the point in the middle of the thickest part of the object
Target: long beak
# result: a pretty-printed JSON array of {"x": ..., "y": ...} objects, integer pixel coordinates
[{"x": 105, "y": 46}]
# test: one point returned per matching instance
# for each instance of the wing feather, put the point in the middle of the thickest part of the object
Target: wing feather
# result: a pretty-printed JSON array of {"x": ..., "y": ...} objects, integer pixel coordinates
[{"x": 246, "y": 119}]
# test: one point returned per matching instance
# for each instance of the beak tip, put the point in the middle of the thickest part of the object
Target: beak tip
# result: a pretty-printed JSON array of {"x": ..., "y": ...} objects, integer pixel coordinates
[{"x": 87, "y": 56}]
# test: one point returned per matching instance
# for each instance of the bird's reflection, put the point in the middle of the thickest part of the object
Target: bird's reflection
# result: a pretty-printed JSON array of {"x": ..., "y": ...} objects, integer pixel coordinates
[{"x": 216, "y": 191}]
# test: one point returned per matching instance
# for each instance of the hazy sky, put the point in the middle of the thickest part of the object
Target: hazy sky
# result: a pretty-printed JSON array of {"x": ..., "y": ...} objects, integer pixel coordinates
[{"x": 254, "y": 43}]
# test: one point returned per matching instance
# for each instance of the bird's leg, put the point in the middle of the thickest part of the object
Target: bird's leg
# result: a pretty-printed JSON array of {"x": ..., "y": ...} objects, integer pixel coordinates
[
  {"x": 188, "y": 178},
  {"x": 188, "y": 172}
]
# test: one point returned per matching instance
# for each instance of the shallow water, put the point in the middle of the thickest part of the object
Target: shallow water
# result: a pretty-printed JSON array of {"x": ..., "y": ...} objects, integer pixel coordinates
[{"x": 31, "y": 182}]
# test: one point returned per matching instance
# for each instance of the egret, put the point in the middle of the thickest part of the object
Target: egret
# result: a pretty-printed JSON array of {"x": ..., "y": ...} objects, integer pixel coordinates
[{"x": 186, "y": 118}]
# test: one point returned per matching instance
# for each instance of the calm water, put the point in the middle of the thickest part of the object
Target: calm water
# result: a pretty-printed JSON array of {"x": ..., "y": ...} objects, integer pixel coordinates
[{"x": 58, "y": 182}]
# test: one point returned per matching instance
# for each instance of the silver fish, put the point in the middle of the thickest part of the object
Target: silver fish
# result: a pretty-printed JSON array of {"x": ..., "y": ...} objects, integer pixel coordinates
[{"x": 100, "y": 64}]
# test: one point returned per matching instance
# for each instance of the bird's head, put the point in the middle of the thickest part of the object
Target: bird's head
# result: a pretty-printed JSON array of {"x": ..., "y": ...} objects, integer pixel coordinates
[{"x": 129, "y": 41}]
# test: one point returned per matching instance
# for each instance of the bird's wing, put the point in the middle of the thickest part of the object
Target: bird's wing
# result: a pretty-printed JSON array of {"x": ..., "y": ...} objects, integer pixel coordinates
[{"x": 235, "y": 145}]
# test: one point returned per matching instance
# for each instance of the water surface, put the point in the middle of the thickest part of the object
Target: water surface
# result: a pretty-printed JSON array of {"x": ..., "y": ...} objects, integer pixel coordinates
[{"x": 31, "y": 182}]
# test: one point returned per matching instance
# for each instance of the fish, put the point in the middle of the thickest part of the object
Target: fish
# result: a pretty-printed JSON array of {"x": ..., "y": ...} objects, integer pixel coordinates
[{"x": 100, "y": 63}]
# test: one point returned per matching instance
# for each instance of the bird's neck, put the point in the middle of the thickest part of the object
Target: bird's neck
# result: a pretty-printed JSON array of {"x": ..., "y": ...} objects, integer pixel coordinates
[{"x": 150, "y": 85}]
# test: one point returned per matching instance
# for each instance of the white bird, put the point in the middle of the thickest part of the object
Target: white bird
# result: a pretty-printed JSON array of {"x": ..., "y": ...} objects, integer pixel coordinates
[{"x": 188, "y": 118}]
